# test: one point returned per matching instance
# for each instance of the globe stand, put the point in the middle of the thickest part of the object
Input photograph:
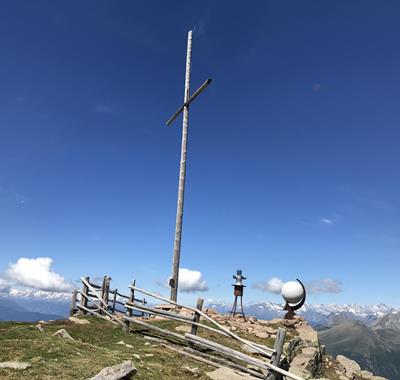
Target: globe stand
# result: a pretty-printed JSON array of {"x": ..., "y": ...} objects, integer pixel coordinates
[{"x": 290, "y": 309}]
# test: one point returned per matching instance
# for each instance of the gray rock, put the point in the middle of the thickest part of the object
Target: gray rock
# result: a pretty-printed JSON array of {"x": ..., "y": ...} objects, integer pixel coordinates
[
  {"x": 192, "y": 370},
  {"x": 225, "y": 373},
  {"x": 350, "y": 366},
  {"x": 79, "y": 321},
  {"x": 261, "y": 334},
  {"x": 63, "y": 334},
  {"x": 306, "y": 364},
  {"x": 304, "y": 355},
  {"x": 124, "y": 370},
  {"x": 15, "y": 365}
]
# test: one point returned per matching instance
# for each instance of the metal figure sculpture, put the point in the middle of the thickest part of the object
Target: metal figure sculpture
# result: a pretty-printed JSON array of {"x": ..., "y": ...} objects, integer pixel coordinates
[{"x": 238, "y": 292}]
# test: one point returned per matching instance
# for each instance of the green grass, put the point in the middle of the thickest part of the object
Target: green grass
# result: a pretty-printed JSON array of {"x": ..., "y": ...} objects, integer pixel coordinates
[{"x": 94, "y": 347}]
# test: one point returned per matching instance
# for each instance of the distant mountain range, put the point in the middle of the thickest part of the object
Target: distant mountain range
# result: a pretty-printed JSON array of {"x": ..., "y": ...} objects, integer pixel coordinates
[
  {"x": 33, "y": 305},
  {"x": 17, "y": 301},
  {"x": 319, "y": 316},
  {"x": 375, "y": 347}
]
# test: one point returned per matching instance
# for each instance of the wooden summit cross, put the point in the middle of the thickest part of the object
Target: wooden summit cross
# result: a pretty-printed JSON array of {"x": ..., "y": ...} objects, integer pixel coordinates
[{"x": 173, "y": 282}]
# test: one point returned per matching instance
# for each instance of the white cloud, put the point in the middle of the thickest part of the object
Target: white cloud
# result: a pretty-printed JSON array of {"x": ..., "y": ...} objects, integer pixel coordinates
[
  {"x": 327, "y": 221},
  {"x": 326, "y": 285},
  {"x": 273, "y": 285},
  {"x": 36, "y": 273},
  {"x": 4, "y": 284},
  {"x": 189, "y": 281}
]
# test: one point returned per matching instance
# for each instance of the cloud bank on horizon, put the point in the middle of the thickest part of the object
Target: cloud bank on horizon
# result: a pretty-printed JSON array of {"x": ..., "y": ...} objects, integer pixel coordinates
[
  {"x": 326, "y": 285},
  {"x": 273, "y": 285},
  {"x": 36, "y": 273}
]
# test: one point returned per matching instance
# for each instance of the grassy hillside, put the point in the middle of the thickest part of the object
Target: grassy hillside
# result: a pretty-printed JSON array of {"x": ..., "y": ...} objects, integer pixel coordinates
[{"x": 94, "y": 348}]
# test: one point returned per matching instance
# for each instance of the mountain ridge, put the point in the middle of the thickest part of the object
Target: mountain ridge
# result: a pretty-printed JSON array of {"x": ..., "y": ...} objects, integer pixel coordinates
[{"x": 320, "y": 316}]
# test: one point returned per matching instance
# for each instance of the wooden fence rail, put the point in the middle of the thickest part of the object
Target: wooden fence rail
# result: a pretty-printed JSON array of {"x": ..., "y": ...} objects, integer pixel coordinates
[{"x": 118, "y": 308}]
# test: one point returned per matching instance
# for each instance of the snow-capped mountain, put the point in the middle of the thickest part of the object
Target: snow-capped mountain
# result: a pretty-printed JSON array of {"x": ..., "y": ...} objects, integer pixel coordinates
[
  {"x": 38, "y": 294},
  {"x": 318, "y": 315},
  {"x": 389, "y": 321},
  {"x": 38, "y": 301}
]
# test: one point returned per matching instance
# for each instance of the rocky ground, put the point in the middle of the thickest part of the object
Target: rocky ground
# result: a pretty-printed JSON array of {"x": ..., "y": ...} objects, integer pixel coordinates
[{"x": 305, "y": 356}]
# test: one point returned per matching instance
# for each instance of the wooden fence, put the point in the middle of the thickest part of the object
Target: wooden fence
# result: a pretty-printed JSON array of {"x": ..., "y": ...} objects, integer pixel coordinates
[
  {"x": 100, "y": 300},
  {"x": 105, "y": 303}
]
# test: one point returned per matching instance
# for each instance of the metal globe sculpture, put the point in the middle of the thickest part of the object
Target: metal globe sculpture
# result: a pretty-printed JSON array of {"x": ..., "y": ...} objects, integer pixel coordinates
[{"x": 294, "y": 293}]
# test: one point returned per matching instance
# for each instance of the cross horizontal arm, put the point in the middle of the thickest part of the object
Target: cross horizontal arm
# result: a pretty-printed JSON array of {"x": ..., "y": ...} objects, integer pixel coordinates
[{"x": 193, "y": 97}]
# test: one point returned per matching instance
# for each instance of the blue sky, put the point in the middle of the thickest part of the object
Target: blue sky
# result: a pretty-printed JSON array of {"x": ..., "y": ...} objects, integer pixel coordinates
[{"x": 293, "y": 150}]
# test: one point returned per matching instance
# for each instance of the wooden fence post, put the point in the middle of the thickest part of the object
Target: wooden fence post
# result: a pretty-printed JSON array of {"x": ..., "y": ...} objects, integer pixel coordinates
[
  {"x": 276, "y": 356},
  {"x": 196, "y": 317},
  {"x": 129, "y": 311},
  {"x": 83, "y": 300},
  {"x": 105, "y": 288},
  {"x": 73, "y": 303},
  {"x": 114, "y": 300}
]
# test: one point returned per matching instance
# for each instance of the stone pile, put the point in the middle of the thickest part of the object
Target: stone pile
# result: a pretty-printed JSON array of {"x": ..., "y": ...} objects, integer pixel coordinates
[{"x": 304, "y": 355}]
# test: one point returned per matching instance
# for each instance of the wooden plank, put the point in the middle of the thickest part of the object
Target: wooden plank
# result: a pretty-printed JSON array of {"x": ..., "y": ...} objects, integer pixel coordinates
[
  {"x": 120, "y": 303},
  {"x": 97, "y": 314},
  {"x": 152, "y": 310},
  {"x": 182, "y": 178},
  {"x": 240, "y": 356},
  {"x": 91, "y": 288},
  {"x": 193, "y": 356},
  {"x": 205, "y": 343},
  {"x": 205, "y": 316},
  {"x": 129, "y": 311},
  {"x": 105, "y": 305},
  {"x": 90, "y": 294},
  {"x": 180, "y": 319},
  {"x": 196, "y": 318},
  {"x": 104, "y": 291},
  {"x": 114, "y": 301},
  {"x": 213, "y": 361},
  {"x": 73, "y": 303},
  {"x": 225, "y": 362},
  {"x": 84, "y": 301},
  {"x": 193, "y": 97},
  {"x": 94, "y": 285},
  {"x": 276, "y": 357},
  {"x": 155, "y": 328}
]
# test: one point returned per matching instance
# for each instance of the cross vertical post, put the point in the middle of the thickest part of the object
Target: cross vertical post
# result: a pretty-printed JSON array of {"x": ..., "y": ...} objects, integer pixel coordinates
[
  {"x": 182, "y": 177},
  {"x": 173, "y": 282}
]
